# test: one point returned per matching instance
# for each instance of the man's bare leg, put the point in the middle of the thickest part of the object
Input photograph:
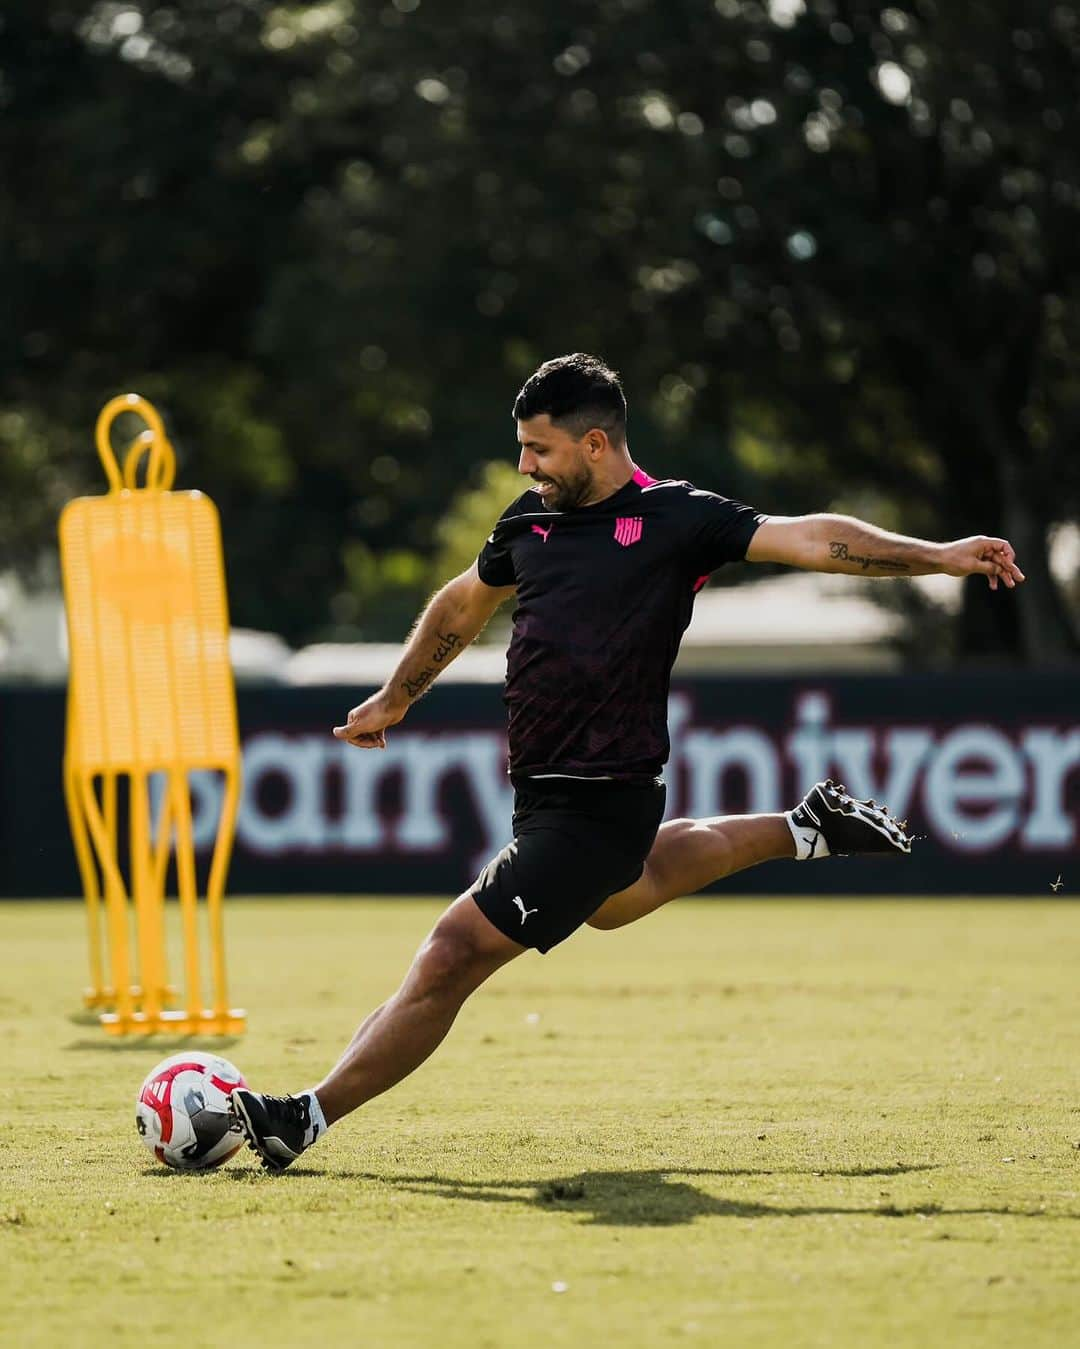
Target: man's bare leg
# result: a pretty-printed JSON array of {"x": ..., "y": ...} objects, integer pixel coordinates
[
  {"x": 687, "y": 855},
  {"x": 462, "y": 951}
]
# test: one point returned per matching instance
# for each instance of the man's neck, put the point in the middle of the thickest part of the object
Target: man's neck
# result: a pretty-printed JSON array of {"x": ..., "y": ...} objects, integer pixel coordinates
[{"x": 612, "y": 481}]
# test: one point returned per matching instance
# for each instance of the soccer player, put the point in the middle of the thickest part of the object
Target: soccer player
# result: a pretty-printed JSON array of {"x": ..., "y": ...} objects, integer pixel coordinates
[{"x": 604, "y": 563}]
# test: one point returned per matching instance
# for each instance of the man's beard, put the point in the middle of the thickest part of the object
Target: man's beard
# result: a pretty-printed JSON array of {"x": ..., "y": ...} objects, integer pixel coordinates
[{"x": 567, "y": 493}]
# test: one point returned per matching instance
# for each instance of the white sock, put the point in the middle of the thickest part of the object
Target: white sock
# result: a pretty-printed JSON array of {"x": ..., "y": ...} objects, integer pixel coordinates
[
  {"x": 809, "y": 842},
  {"x": 319, "y": 1125}
]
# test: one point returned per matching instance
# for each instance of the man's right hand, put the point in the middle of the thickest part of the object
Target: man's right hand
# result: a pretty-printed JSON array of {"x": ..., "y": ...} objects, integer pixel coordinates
[
  {"x": 981, "y": 555},
  {"x": 367, "y": 723}
]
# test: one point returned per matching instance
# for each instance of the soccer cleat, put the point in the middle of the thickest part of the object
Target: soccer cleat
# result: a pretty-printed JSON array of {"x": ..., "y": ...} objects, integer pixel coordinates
[
  {"x": 275, "y": 1126},
  {"x": 846, "y": 824}
]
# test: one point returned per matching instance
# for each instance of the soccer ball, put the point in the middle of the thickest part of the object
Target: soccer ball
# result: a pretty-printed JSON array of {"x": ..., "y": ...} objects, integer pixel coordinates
[{"x": 182, "y": 1111}]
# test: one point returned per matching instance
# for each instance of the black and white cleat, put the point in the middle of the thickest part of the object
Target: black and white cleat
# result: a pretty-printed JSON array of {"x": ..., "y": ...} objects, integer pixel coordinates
[
  {"x": 847, "y": 825},
  {"x": 275, "y": 1126}
]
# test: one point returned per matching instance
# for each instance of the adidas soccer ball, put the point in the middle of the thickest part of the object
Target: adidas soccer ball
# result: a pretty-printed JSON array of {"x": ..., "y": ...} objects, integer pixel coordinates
[{"x": 182, "y": 1111}]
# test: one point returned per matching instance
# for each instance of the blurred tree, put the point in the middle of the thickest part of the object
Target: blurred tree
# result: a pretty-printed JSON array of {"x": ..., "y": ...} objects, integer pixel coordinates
[
  {"x": 833, "y": 245},
  {"x": 462, "y": 530}
]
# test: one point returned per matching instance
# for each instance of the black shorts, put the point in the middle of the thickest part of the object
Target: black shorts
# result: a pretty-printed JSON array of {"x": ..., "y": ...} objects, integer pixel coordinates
[{"x": 575, "y": 843}]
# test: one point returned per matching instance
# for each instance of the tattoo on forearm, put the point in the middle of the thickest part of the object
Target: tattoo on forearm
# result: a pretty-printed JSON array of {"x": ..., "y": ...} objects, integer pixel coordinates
[
  {"x": 446, "y": 644},
  {"x": 448, "y": 641},
  {"x": 417, "y": 683},
  {"x": 839, "y": 552}
]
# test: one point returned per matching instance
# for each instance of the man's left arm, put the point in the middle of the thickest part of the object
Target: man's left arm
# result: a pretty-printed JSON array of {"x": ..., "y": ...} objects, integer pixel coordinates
[{"x": 840, "y": 543}]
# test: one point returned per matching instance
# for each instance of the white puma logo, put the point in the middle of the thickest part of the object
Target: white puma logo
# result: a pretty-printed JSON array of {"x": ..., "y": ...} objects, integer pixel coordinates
[{"x": 524, "y": 911}]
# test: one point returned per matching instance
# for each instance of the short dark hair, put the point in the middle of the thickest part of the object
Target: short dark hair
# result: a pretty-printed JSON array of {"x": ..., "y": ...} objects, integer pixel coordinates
[{"x": 577, "y": 392}]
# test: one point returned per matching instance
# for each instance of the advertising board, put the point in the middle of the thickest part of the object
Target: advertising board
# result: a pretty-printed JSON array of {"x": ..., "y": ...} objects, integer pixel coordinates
[{"x": 986, "y": 768}]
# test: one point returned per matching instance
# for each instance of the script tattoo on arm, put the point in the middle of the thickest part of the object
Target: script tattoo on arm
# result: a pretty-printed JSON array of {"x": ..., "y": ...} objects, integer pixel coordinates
[
  {"x": 838, "y": 551},
  {"x": 415, "y": 684},
  {"x": 447, "y": 645},
  {"x": 448, "y": 642}
]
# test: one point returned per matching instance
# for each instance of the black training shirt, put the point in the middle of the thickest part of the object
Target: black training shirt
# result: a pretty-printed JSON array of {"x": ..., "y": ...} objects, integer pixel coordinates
[{"x": 604, "y": 595}]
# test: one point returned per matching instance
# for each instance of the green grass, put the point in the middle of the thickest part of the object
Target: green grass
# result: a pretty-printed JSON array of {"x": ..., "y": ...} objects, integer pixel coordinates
[{"x": 757, "y": 1123}]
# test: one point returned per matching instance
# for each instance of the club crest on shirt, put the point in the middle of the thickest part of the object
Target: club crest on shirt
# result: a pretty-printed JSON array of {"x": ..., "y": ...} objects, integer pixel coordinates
[{"x": 628, "y": 529}]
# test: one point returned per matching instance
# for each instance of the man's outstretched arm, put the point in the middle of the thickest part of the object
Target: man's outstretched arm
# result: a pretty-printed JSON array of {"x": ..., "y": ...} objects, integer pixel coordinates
[
  {"x": 840, "y": 543},
  {"x": 452, "y": 618}
]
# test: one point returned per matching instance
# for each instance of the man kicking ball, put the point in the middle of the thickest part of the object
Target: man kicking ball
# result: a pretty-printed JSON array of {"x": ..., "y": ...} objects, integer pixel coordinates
[{"x": 604, "y": 563}]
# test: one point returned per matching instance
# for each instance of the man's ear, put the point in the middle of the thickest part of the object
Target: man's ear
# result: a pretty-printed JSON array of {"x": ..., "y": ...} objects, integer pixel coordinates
[{"x": 596, "y": 442}]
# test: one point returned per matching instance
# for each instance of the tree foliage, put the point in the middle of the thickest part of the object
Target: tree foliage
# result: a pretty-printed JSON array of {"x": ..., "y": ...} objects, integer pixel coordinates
[{"x": 834, "y": 247}]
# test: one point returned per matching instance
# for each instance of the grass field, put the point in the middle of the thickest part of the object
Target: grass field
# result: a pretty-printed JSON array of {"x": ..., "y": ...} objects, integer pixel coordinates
[{"x": 756, "y": 1123}]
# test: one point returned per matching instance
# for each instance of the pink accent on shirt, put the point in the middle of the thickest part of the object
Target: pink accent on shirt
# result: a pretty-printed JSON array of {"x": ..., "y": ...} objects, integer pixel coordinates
[
  {"x": 628, "y": 529},
  {"x": 644, "y": 479}
]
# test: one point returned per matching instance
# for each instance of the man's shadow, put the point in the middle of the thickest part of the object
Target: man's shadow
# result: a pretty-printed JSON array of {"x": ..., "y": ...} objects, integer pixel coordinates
[
  {"x": 656, "y": 1198},
  {"x": 660, "y": 1197}
]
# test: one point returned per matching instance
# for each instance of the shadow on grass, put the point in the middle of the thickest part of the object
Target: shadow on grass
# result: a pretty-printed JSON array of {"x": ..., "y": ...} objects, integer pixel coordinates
[
  {"x": 242, "y": 1175},
  {"x": 162, "y": 1045},
  {"x": 647, "y": 1198},
  {"x": 343, "y": 1173},
  {"x": 662, "y": 1198}
]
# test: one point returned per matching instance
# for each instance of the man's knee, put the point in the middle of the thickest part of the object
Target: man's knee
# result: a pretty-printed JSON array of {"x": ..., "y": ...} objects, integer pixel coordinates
[
  {"x": 445, "y": 961},
  {"x": 681, "y": 843},
  {"x": 452, "y": 957}
]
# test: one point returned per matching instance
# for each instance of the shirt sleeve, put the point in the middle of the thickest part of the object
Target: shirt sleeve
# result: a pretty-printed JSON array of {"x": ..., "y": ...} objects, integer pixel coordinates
[
  {"x": 495, "y": 565},
  {"x": 720, "y": 529}
]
